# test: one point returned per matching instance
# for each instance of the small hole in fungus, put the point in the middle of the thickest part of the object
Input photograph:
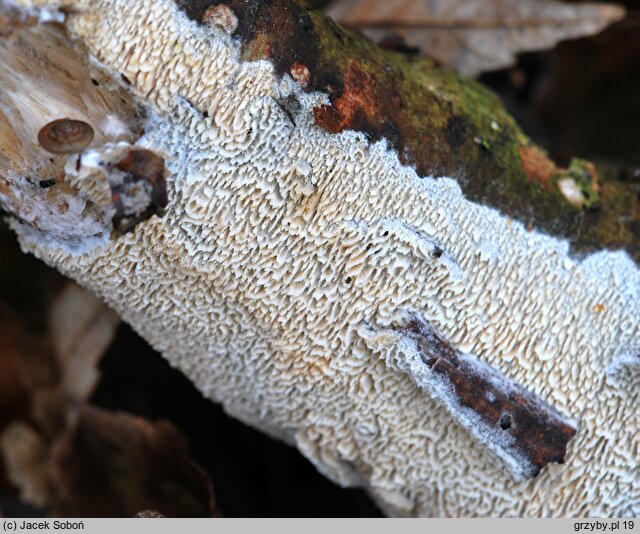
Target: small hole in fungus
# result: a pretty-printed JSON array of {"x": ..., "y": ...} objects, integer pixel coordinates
[
  {"x": 505, "y": 421},
  {"x": 95, "y": 82},
  {"x": 437, "y": 252},
  {"x": 348, "y": 279},
  {"x": 386, "y": 233},
  {"x": 46, "y": 184}
]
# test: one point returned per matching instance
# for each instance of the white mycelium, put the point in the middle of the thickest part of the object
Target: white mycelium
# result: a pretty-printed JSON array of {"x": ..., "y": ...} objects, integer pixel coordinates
[{"x": 281, "y": 240}]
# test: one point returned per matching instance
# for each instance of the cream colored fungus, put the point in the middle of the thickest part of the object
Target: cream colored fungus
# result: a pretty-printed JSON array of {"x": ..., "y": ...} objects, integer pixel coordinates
[{"x": 286, "y": 253}]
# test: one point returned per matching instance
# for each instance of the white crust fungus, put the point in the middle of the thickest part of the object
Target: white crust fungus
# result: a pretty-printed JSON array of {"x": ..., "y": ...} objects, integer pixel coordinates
[{"x": 280, "y": 240}]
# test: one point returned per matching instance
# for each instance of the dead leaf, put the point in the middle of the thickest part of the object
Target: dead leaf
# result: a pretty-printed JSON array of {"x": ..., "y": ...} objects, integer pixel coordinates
[
  {"x": 82, "y": 460},
  {"x": 25, "y": 456},
  {"x": 60, "y": 369},
  {"x": 82, "y": 328},
  {"x": 116, "y": 464},
  {"x": 475, "y": 36}
]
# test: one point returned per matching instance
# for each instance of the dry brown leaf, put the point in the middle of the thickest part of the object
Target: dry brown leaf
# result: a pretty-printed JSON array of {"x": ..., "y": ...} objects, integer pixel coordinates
[
  {"x": 61, "y": 370},
  {"x": 475, "y": 36},
  {"x": 25, "y": 456},
  {"x": 82, "y": 460},
  {"x": 116, "y": 464},
  {"x": 108, "y": 465},
  {"x": 74, "y": 458},
  {"x": 57, "y": 374},
  {"x": 82, "y": 328}
]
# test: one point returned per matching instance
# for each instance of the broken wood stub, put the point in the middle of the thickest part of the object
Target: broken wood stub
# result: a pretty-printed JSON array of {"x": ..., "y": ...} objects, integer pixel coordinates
[
  {"x": 141, "y": 192},
  {"x": 534, "y": 430}
]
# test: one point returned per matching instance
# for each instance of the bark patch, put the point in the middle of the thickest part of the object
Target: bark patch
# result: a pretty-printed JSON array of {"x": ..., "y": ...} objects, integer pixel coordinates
[
  {"x": 438, "y": 122},
  {"x": 141, "y": 191},
  {"x": 518, "y": 423}
]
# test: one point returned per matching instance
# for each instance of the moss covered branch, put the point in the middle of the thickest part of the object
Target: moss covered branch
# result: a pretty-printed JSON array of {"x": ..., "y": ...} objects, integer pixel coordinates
[{"x": 439, "y": 122}]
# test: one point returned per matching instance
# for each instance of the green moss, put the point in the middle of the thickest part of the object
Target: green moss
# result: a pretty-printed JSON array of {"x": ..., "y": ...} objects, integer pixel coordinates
[
  {"x": 439, "y": 122},
  {"x": 583, "y": 174},
  {"x": 616, "y": 222}
]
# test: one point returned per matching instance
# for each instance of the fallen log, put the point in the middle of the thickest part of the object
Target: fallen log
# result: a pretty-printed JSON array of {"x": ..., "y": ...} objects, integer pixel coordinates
[{"x": 271, "y": 201}]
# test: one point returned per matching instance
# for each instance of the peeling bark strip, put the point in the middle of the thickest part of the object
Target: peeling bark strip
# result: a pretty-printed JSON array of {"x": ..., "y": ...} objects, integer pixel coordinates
[
  {"x": 534, "y": 429},
  {"x": 437, "y": 121}
]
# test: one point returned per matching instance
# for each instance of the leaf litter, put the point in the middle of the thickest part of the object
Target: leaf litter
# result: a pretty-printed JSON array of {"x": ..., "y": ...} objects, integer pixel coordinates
[{"x": 476, "y": 36}]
